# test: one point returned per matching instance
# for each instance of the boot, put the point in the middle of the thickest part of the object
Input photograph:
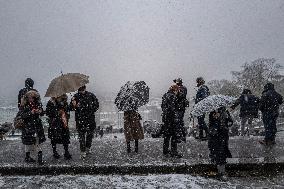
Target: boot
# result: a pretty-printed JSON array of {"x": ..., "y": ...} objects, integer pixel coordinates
[
  {"x": 28, "y": 158},
  {"x": 39, "y": 156},
  {"x": 128, "y": 147},
  {"x": 136, "y": 146}
]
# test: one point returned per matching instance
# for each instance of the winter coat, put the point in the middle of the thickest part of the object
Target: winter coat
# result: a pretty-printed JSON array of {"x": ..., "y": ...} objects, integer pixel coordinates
[
  {"x": 219, "y": 137},
  {"x": 88, "y": 104},
  {"x": 181, "y": 98},
  {"x": 202, "y": 92},
  {"x": 270, "y": 101},
  {"x": 32, "y": 123},
  {"x": 172, "y": 118},
  {"x": 249, "y": 105},
  {"x": 58, "y": 132},
  {"x": 132, "y": 126}
]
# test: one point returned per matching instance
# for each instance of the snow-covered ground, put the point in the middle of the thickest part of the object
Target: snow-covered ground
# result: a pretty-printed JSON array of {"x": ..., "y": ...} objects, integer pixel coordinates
[{"x": 134, "y": 182}]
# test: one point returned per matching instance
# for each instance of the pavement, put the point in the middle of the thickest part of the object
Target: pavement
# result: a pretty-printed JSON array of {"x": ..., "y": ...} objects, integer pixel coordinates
[{"x": 109, "y": 156}]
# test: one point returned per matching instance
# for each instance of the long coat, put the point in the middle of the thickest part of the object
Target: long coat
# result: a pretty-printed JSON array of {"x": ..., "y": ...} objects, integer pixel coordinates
[
  {"x": 85, "y": 112},
  {"x": 219, "y": 137},
  {"x": 172, "y": 118},
  {"x": 32, "y": 124},
  {"x": 270, "y": 101},
  {"x": 58, "y": 132},
  {"x": 202, "y": 93},
  {"x": 132, "y": 126}
]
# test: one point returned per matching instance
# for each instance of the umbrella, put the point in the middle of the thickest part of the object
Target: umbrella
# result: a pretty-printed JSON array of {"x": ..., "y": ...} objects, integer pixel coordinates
[
  {"x": 66, "y": 83},
  {"x": 132, "y": 96},
  {"x": 211, "y": 103}
]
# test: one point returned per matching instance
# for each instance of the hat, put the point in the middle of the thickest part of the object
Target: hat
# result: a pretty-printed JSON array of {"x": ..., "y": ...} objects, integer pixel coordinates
[{"x": 29, "y": 82}]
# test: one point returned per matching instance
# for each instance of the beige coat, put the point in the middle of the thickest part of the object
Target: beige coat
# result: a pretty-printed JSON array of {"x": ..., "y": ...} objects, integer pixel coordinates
[{"x": 132, "y": 126}]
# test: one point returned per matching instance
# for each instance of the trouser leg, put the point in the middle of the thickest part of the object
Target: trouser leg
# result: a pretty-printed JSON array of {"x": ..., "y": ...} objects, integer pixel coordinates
[
  {"x": 166, "y": 145},
  {"x": 128, "y": 146},
  {"x": 173, "y": 146},
  {"x": 82, "y": 140},
  {"x": 202, "y": 126},
  {"x": 243, "y": 125},
  {"x": 89, "y": 138},
  {"x": 136, "y": 146}
]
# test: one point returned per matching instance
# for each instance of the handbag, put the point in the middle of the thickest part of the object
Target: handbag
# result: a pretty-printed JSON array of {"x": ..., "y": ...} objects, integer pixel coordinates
[{"x": 18, "y": 122}]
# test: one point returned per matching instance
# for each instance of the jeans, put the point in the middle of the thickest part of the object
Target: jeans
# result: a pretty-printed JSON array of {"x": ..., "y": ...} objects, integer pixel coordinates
[
  {"x": 269, "y": 121},
  {"x": 85, "y": 139},
  {"x": 202, "y": 126}
]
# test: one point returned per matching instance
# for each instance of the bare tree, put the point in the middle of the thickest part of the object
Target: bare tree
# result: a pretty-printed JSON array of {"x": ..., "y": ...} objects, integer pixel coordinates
[
  {"x": 224, "y": 87},
  {"x": 256, "y": 74}
]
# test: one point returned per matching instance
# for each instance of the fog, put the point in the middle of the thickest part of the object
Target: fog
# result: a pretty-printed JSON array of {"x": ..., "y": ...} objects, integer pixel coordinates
[{"x": 116, "y": 41}]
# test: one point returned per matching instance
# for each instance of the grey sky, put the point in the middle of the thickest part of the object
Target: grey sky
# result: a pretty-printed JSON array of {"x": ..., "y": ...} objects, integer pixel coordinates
[{"x": 115, "y": 41}]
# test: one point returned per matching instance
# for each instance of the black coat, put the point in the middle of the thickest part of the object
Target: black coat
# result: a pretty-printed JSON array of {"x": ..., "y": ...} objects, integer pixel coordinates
[
  {"x": 219, "y": 137},
  {"x": 85, "y": 112},
  {"x": 32, "y": 126},
  {"x": 57, "y": 133},
  {"x": 182, "y": 102},
  {"x": 202, "y": 92},
  {"x": 172, "y": 118},
  {"x": 249, "y": 105},
  {"x": 270, "y": 101}
]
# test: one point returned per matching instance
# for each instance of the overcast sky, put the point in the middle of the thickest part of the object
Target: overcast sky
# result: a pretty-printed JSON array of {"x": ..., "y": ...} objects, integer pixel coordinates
[{"x": 116, "y": 41}]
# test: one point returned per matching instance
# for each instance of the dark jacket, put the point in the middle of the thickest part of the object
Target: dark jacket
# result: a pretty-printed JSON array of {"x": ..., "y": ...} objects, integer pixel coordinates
[
  {"x": 181, "y": 99},
  {"x": 219, "y": 137},
  {"x": 32, "y": 126},
  {"x": 270, "y": 100},
  {"x": 202, "y": 93},
  {"x": 85, "y": 112},
  {"x": 249, "y": 105},
  {"x": 172, "y": 119},
  {"x": 58, "y": 133}
]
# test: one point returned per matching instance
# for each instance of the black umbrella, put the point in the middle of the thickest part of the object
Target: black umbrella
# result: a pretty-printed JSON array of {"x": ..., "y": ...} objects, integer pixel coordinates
[{"x": 132, "y": 96}]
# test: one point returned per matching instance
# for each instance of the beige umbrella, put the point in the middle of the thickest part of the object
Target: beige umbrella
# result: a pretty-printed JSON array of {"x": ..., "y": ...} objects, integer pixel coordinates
[{"x": 66, "y": 83}]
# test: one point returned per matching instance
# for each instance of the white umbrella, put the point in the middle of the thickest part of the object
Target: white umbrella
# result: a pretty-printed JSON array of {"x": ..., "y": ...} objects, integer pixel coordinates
[{"x": 211, "y": 103}]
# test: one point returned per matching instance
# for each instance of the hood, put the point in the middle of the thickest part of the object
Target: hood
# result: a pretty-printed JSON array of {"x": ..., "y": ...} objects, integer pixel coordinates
[{"x": 269, "y": 86}]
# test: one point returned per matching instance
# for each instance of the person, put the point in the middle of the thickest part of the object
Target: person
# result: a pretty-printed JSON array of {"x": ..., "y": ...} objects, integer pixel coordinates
[
  {"x": 132, "y": 129},
  {"x": 57, "y": 110},
  {"x": 269, "y": 107},
  {"x": 181, "y": 98},
  {"x": 202, "y": 93},
  {"x": 29, "y": 83},
  {"x": 85, "y": 105},
  {"x": 218, "y": 138},
  {"x": 249, "y": 104},
  {"x": 32, "y": 132},
  {"x": 172, "y": 128}
]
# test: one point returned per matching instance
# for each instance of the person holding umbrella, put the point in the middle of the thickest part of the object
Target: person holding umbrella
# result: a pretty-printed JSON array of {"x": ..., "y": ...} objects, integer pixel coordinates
[
  {"x": 218, "y": 138},
  {"x": 85, "y": 104},
  {"x": 57, "y": 110},
  {"x": 202, "y": 93},
  {"x": 132, "y": 129},
  {"x": 131, "y": 96}
]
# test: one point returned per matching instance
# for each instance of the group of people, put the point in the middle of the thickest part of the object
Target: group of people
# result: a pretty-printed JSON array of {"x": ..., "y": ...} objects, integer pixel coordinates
[
  {"x": 217, "y": 132},
  {"x": 84, "y": 103},
  {"x": 174, "y": 104}
]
